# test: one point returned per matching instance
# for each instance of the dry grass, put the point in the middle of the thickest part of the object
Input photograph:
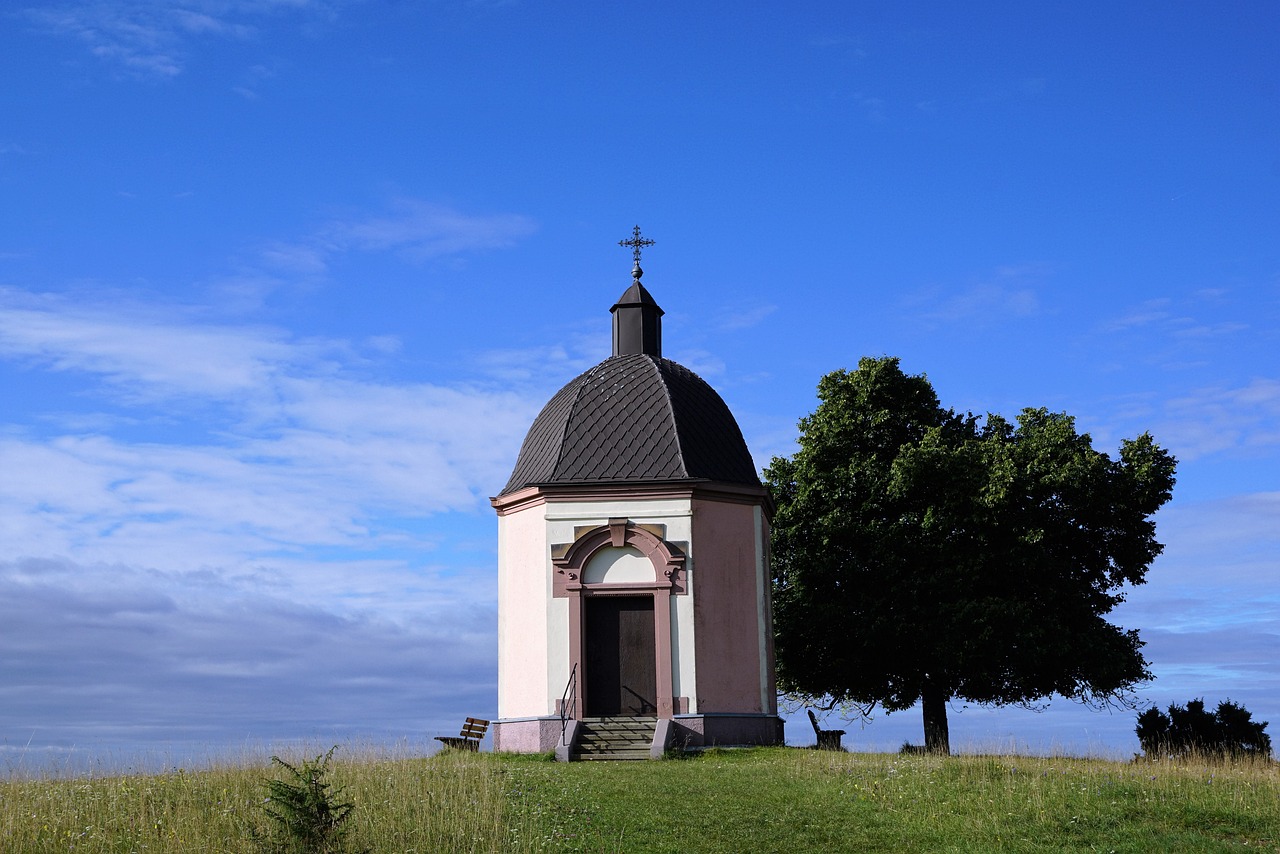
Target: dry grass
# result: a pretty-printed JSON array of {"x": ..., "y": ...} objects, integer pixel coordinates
[
  {"x": 449, "y": 802},
  {"x": 730, "y": 801}
]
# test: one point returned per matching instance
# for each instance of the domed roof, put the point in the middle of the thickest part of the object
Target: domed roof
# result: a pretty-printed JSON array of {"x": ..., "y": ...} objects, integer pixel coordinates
[{"x": 633, "y": 418}]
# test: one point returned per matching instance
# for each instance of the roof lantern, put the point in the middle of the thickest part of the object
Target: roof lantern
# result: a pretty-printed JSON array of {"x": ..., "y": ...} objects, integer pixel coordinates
[{"x": 635, "y": 417}]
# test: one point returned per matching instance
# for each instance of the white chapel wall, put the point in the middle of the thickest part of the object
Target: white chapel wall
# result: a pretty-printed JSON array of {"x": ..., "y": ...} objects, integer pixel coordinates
[
  {"x": 618, "y": 566},
  {"x": 524, "y": 579}
]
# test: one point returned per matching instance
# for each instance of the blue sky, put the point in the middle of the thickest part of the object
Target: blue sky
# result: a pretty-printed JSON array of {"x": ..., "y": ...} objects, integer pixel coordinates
[{"x": 283, "y": 283}]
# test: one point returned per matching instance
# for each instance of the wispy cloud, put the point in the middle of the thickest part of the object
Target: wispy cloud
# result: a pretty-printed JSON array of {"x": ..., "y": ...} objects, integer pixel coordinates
[
  {"x": 744, "y": 318},
  {"x": 1188, "y": 333},
  {"x": 153, "y": 38},
  {"x": 412, "y": 229},
  {"x": 294, "y": 452},
  {"x": 426, "y": 230},
  {"x": 1240, "y": 420},
  {"x": 1175, "y": 319},
  {"x": 1007, "y": 294},
  {"x": 139, "y": 350},
  {"x": 1210, "y": 420},
  {"x": 547, "y": 367},
  {"x": 1150, "y": 312}
]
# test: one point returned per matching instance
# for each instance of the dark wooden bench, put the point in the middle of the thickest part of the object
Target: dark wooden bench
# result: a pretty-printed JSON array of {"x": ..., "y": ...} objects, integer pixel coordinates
[
  {"x": 828, "y": 739},
  {"x": 469, "y": 739}
]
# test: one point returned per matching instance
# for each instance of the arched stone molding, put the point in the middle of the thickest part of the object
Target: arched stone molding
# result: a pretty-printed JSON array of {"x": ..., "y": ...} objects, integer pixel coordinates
[{"x": 570, "y": 561}]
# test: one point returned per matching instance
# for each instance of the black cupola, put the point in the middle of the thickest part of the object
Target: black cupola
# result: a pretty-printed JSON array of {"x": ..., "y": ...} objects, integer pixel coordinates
[{"x": 637, "y": 321}]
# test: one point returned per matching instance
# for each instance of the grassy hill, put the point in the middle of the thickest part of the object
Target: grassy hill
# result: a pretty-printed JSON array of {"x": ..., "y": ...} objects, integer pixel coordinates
[{"x": 783, "y": 800}]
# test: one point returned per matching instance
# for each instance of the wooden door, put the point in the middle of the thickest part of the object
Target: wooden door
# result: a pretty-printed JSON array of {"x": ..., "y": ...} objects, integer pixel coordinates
[{"x": 621, "y": 669}]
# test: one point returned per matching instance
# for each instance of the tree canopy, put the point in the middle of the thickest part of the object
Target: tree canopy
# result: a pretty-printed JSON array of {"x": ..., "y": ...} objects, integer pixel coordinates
[{"x": 924, "y": 555}]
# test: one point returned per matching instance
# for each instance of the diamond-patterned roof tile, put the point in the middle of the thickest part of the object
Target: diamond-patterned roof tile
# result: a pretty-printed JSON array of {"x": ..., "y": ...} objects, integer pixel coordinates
[{"x": 634, "y": 418}]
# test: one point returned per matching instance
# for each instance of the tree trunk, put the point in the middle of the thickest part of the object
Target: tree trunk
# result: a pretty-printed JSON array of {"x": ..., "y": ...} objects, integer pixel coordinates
[{"x": 937, "y": 738}]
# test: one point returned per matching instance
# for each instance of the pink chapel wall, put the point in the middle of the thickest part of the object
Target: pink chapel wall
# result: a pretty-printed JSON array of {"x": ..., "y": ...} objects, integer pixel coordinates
[{"x": 731, "y": 615}]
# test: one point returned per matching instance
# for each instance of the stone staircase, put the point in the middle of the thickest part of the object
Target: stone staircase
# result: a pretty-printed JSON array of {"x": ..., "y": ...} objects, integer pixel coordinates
[{"x": 614, "y": 738}]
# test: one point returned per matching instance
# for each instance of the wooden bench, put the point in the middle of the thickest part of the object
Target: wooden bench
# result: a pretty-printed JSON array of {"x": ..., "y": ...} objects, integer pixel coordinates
[
  {"x": 469, "y": 739},
  {"x": 828, "y": 739}
]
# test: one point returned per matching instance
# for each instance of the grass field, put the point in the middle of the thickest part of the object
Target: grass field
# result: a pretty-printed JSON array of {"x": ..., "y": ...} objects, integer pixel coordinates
[{"x": 767, "y": 800}]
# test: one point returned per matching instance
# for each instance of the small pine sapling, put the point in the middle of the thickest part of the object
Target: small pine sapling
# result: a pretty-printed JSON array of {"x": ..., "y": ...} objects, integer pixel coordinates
[{"x": 307, "y": 809}]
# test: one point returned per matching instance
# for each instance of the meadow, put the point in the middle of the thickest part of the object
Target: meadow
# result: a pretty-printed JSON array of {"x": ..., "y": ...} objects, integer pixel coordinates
[{"x": 761, "y": 800}]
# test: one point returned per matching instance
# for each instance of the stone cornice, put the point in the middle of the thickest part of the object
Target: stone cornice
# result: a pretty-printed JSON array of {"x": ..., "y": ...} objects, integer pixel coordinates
[{"x": 532, "y": 496}]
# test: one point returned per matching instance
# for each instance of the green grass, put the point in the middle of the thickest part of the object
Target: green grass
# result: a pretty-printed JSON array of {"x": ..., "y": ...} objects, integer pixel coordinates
[
  {"x": 797, "y": 800},
  {"x": 784, "y": 800}
]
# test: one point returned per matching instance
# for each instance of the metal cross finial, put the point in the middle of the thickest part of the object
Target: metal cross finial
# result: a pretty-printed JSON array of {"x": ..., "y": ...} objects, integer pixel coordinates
[{"x": 636, "y": 243}]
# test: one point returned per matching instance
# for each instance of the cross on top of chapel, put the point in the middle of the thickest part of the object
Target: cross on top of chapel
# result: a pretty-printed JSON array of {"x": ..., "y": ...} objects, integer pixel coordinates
[{"x": 636, "y": 243}]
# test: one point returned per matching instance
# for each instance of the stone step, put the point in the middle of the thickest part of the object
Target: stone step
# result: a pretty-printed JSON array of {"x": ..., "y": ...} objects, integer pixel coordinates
[
  {"x": 620, "y": 721},
  {"x": 607, "y": 744},
  {"x": 612, "y": 747},
  {"x": 621, "y": 726},
  {"x": 618, "y": 735},
  {"x": 621, "y": 738},
  {"x": 619, "y": 732},
  {"x": 614, "y": 756}
]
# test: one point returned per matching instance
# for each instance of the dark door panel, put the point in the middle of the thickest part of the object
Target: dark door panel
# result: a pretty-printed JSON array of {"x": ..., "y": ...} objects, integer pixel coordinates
[{"x": 621, "y": 671}]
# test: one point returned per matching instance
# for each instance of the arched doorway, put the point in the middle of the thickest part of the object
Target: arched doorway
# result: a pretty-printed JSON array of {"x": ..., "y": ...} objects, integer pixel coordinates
[{"x": 619, "y": 579}]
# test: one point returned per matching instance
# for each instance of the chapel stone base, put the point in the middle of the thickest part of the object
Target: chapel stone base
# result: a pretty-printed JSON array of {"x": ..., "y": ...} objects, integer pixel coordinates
[
  {"x": 726, "y": 730},
  {"x": 527, "y": 735},
  {"x": 542, "y": 735}
]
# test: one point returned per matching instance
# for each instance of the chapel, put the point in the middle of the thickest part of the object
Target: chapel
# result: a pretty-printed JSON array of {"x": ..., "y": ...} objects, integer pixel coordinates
[{"x": 633, "y": 579}]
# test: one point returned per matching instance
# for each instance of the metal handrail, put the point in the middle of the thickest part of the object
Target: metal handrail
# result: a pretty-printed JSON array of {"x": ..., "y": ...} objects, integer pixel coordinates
[{"x": 569, "y": 699}]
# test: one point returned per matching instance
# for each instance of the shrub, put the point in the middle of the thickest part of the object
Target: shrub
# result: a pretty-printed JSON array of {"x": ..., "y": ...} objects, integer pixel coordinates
[
  {"x": 1191, "y": 729},
  {"x": 306, "y": 808}
]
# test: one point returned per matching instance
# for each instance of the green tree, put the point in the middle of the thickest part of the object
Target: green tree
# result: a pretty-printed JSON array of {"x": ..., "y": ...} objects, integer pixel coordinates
[{"x": 920, "y": 555}]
